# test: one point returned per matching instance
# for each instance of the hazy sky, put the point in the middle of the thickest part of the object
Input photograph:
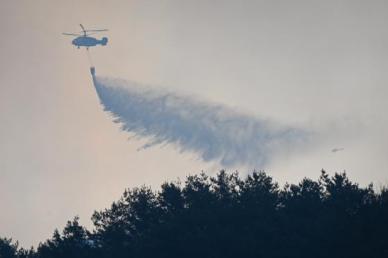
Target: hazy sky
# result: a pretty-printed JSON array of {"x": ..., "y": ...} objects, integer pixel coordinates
[{"x": 317, "y": 65}]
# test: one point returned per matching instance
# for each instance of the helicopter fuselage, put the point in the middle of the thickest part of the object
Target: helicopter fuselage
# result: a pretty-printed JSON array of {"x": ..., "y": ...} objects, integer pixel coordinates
[{"x": 86, "y": 41}]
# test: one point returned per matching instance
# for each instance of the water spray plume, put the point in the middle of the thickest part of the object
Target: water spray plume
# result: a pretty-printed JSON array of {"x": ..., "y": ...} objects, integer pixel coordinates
[{"x": 214, "y": 132}]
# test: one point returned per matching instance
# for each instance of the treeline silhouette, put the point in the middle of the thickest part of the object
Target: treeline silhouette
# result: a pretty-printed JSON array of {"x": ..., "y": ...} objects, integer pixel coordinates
[{"x": 226, "y": 216}]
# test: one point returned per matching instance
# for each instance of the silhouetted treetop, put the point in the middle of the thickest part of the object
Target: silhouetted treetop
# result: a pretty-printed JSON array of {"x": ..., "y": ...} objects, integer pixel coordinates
[{"x": 229, "y": 216}]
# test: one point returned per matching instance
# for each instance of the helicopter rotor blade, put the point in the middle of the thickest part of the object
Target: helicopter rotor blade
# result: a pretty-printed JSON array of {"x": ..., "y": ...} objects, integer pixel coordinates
[
  {"x": 82, "y": 27},
  {"x": 71, "y": 34},
  {"x": 83, "y": 30},
  {"x": 97, "y": 30}
]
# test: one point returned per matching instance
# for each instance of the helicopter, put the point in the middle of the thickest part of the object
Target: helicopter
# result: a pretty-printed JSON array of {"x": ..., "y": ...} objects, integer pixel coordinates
[
  {"x": 83, "y": 38},
  {"x": 337, "y": 149}
]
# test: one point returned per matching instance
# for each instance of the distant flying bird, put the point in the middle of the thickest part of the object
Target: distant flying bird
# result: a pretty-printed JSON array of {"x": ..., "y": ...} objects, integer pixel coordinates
[
  {"x": 84, "y": 40},
  {"x": 337, "y": 149}
]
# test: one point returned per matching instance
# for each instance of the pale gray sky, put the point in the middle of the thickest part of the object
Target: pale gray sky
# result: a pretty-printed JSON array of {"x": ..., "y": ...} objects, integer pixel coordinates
[{"x": 318, "y": 65}]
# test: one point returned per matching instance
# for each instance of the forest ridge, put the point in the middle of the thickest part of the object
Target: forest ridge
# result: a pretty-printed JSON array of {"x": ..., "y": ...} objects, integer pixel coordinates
[{"x": 229, "y": 216}]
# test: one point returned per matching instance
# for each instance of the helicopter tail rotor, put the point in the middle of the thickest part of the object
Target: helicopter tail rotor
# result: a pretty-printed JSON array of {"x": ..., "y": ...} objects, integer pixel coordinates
[{"x": 104, "y": 41}]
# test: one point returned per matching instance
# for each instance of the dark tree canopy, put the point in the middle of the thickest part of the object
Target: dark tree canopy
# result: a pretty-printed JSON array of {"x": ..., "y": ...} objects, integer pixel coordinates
[{"x": 227, "y": 216}]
